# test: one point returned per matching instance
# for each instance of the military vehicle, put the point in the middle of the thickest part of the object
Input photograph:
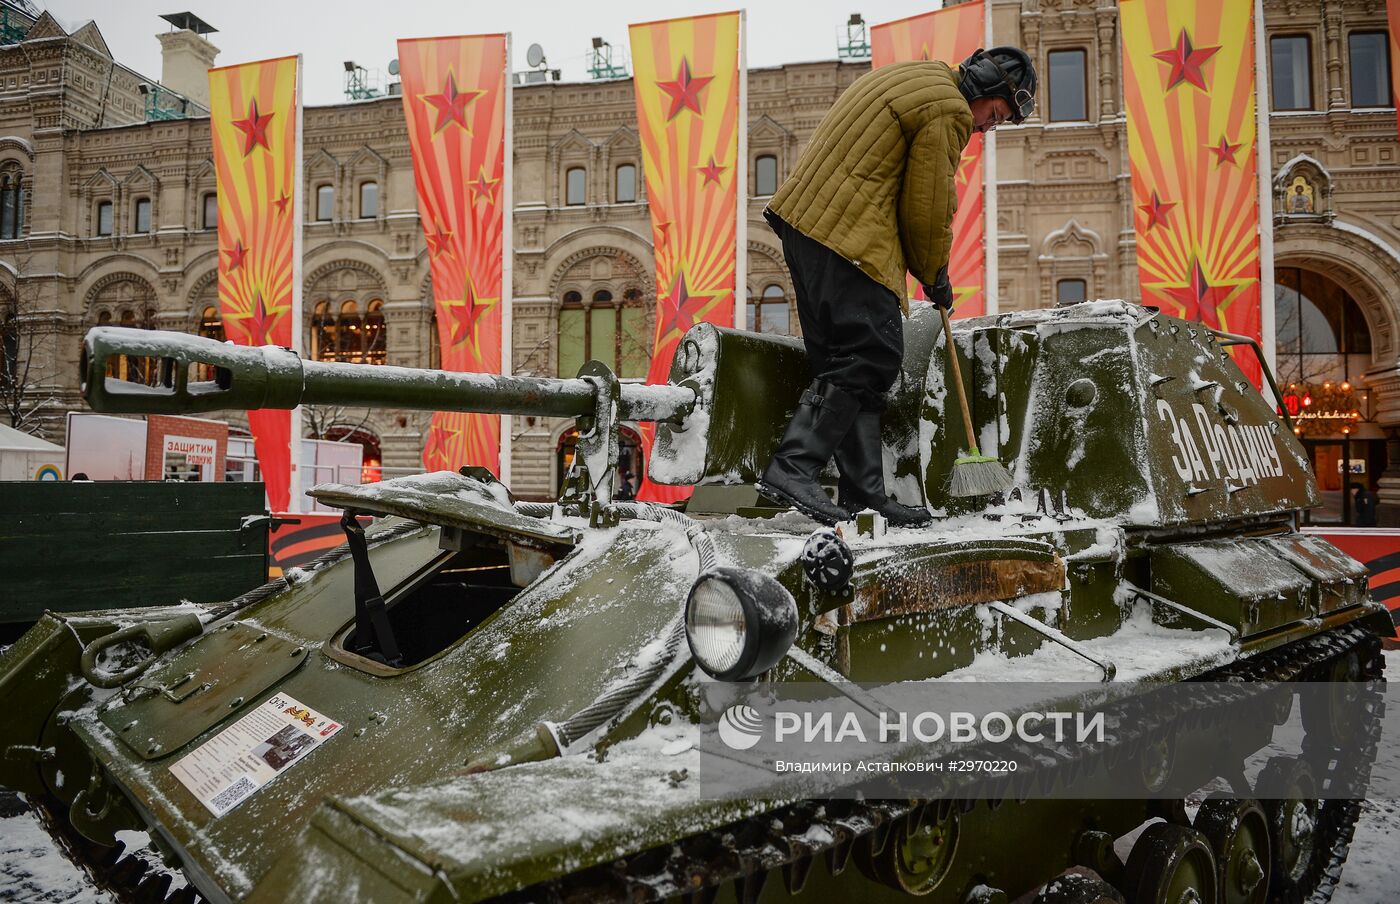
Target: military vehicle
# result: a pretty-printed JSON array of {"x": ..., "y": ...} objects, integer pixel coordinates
[{"x": 479, "y": 697}]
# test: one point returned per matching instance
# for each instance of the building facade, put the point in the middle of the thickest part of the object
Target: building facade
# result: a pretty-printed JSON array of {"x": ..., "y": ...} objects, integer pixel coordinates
[{"x": 111, "y": 219}]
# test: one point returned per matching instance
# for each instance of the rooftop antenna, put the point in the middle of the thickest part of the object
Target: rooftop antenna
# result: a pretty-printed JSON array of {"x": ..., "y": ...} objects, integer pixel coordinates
[
  {"x": 538, "y": 71},
  {"x": 853, "y": 39},
  {"x": 600, "y": 62},
  {"x": 395, "y": 85}
]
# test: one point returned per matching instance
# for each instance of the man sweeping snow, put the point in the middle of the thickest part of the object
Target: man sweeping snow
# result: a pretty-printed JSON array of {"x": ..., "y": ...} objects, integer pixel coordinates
[{"x": 871, "y": 197}]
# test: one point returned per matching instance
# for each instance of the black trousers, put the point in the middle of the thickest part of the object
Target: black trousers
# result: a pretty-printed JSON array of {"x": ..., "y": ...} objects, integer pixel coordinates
[{"x": 852, "y": 326}]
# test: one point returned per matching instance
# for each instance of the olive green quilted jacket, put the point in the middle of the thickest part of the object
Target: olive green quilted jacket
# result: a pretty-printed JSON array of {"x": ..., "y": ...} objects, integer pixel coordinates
[{"x": 875, "y": 183}]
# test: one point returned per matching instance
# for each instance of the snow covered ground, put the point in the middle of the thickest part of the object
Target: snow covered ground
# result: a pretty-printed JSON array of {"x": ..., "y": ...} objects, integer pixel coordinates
[{"x": 32, "y": 868}]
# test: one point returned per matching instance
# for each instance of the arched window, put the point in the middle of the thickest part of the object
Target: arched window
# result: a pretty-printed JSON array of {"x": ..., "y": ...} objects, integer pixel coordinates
[
  {"x": 575, "y": 181},
  {"x": 104, "y": 218},
  {"x": 1322, "y": 334},
  {"x": 625, "y": 184},
  {"x": 322, "y": 332},
  {"x": 211, "y": 211},
  {"x": 325, "y": 203},
  {"x": 347, "y": 332},
  {"x": 607, "y": 330},
  {"x": 374, "y": 348},
  {"x": 211, "y": 326},
  {"x": 141, "y": 216},
  {"x": 11, "y": 203},
  {"x": 369, "y": 200},
  {"x": 769, "y": 312},
  {"x": 765, "y": 175},
  {"x": 129, "y": 367}
]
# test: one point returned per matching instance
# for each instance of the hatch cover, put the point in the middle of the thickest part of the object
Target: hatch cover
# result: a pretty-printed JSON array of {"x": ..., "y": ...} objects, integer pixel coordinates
[{"x": 201, "y": 687}]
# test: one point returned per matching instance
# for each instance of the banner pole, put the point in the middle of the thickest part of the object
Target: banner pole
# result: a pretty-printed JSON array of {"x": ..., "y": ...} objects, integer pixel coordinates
[
  {"x": 990, "y": 251},
  {"x": 1264, "y": 166},
  {"x": 507, "y": 263},
  {"x": 297, "y": 500},
  {"x": 741, "y": 184}
]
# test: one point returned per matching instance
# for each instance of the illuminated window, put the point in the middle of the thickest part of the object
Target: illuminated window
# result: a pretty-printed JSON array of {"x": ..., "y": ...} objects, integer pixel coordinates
[
  {"x": 346, "y": 334},
  {"x": 211, "y": 326},
  {"x": 129, "y": 367},
  {"x": 574, "y": 184}
]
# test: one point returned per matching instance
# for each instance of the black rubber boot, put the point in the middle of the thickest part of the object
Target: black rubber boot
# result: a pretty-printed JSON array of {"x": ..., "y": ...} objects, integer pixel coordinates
[
  {"x": 821, "y": 421},
  {"x": 860, "y": 459}
]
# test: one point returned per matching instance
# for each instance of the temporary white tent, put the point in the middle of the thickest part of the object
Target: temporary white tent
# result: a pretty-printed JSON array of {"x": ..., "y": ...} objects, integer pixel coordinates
[{"x": 25, "y": 457}]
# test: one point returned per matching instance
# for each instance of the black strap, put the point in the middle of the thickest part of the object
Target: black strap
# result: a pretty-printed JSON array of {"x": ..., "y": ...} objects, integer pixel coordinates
[{"x": 373, "y": 636}]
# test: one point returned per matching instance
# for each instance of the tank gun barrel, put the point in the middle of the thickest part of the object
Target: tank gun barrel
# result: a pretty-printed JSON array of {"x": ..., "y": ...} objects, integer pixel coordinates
[{"x": 272, "y": 377}]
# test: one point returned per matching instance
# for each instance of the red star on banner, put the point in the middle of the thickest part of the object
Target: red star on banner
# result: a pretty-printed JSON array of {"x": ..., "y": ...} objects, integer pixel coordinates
[
  {"x": 254, "y": 129},
  {"x": 481, "y": 187},
  {"x": 680, "y": 309},
  {"x": 1199, "y": 299},
  {"x": 281, "y": 203},
  {"x": 439, "y": 443},
  {"x": 439, "y": 242},
  {"x": 1186, "y": 62},
  {"x": 260, "y": 320},
  {"x": 965, "y": 167},
  {"x": 236, "y": 254},
  {"x": 1156, "y": 210},
  {"x": 1224, "y": 152},
  {"x": 451, "y": 105},
  {"x": 466, "y": 314},
  {"x": 663, "y": 232},
  {"x": 685, "y": 90},
  {"x": 712, "y": 172}
]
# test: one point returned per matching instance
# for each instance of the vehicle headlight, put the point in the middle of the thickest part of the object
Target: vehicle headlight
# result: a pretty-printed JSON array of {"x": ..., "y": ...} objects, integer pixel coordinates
[{"x": 739, "y": 623}]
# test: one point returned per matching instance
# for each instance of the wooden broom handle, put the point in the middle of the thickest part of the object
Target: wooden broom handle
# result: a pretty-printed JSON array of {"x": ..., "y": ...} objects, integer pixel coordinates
[{"x": 956, "y": 368}]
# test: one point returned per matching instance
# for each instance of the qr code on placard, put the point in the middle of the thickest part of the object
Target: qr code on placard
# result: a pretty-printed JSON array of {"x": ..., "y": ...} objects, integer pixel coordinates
[{"x": 231, "y": 795}]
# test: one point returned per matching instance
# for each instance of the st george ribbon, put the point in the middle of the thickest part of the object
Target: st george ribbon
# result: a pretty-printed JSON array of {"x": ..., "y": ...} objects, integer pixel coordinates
[
  {"x": 255, "y": 119},
  {"x": 949, "y": 35},
  {"x": 1189, "y": 89},
  {"x": 455, "y": 98},
  {"x": 687, "y": 76}
]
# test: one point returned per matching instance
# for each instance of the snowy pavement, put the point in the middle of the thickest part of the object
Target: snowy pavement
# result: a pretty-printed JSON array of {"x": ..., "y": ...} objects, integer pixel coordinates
[{"x": 32, "y": 868}]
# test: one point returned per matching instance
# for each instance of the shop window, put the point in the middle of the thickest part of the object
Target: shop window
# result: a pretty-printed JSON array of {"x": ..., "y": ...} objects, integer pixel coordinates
[
  {"x": 11, "y": 205},
  {"x": 129, "y": 367},
  {"x": 1291, "y": 78},
  {"x": 325, "y": 203},
  {"x": 369, "y": 200},
  {"x": 765, "y": 175},
  {"x": 1071, "y": 291},
  {"x": 1069, "y": 86},
  {"x": 625, "y": 184},
  {"x": 347, "y": 334},
  {"x": 104, "y": 218},
  {"x": 211, "y": 326},
  {"x": 769, "y": 313},
  {"x": 141, "y": 218},
  {"x": 604, "y": 330},
  {"x": 211, "y": 211},
  {"x": 1370, "y": 68},
  {"x": 574, "y": 186}
]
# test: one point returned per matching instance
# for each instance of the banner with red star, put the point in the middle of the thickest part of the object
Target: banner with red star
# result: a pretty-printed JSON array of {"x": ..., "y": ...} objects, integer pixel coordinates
[
  {"x": 950, "y": 35},
  {"x": 1189, "y": 90},
  {"x": 454, "y": 97},
  {"x": 254, "y": 111},
  {"x": 686, "y": 75}
]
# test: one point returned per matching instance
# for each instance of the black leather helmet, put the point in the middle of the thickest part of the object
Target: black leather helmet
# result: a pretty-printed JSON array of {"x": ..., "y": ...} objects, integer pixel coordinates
[{"x": 1005, "y": 72}]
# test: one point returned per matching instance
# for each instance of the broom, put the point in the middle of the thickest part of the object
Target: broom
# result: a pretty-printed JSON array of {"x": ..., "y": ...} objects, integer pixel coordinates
[{"x": 974, "y": 474}]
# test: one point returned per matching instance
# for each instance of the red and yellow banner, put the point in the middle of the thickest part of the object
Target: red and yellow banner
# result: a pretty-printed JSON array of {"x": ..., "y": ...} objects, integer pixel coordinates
[
  {"x": 950, "y": 35},
  {"x": 454, "y": 97},
  {"x": 253, "y": 113},
  {"x": 686, "y": 76},
  {"x": 1189, "y": 90}
]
